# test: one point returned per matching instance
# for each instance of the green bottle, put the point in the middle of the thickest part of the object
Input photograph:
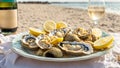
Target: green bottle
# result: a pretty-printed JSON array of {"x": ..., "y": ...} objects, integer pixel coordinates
[{"x": 8, "y": 16}]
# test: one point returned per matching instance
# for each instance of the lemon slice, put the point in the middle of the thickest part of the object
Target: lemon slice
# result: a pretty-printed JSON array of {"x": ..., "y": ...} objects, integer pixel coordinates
[
  {"x": 61, "y": 24},
  {"x": 97, "y": 32},
  {"x": 103, "y": 43},
  {"x": 49, "y": 25},
  {"x": 35, "y": 32},
  {"x": 56, "y": 41}
]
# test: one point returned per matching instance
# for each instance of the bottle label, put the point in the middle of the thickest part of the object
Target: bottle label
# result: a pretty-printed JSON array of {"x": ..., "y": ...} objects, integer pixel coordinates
[{"x": 8, "y": 18}]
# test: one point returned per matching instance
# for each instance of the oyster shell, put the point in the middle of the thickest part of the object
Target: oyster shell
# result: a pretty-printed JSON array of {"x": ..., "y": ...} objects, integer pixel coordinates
[
  {"x": 80, "y": 31},
  {"x": 76, "y": 48},
  {"x": 53, "y": 52},
  {"x": 91, "y": 37},
  {"x": 28, "y": 41},
  {"x": 71, "y": 37},
  {"x": 85, "y": 35},
  {"x": 44, "y": 37},
  {"x": 40, "y": 52},
  {"x": 43, "y": 44},
  {"x": 60, "y": 32}
]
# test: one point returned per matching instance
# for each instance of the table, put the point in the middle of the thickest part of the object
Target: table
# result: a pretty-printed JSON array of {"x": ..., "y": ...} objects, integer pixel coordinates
[{"x": 13, "y": 60}]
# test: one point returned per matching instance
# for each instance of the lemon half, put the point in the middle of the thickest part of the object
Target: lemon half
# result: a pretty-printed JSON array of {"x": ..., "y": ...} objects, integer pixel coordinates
[
  {"x": 61, "y": 24},
  {"x": 35, "y": 32},
  {"x": 55, "y": 41},
  {"x": 49, "y": 25},
  {"x": 104, "y": 42}
]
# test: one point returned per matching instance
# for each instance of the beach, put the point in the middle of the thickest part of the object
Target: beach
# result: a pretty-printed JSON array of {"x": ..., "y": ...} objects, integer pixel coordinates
[{"x": 34, "y": 15}]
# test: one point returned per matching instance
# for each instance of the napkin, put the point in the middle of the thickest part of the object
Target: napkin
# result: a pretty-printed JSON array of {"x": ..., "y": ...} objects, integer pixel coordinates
[{"x": 9, "y": 59}]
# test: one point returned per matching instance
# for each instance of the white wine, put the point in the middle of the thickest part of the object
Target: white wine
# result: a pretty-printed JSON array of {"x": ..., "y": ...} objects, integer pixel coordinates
[
  {"x": 96, "y": 12},
  {"x": 8, "y": 16}
]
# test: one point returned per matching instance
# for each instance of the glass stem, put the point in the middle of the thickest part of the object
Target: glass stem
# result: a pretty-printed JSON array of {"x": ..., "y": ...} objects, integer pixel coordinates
[{"x": 95, "y": 24}]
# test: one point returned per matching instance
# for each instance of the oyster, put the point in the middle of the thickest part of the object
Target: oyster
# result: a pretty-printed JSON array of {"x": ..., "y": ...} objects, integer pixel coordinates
[
  {"x": 40, "y": 52},
  {"x": 85, "y": 35},
  {"x": 60, "y": 32},
  {"x": 28, "y": 41},
  {"x": 43, "y": 44},
  {"x": 71, "y": 37},
  {"x": 76, "y": 48},
  {"x": 44, "y": 37},
  {"x": 91, "y": 37},
  {"x": 80, "y": 31},
  {"x": 53, "y": 52}
]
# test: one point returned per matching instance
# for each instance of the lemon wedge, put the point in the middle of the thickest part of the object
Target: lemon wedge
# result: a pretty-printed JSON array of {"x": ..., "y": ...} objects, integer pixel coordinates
[
  {"x": 97, "y": 32},
  {"x": 56, "y": 41},
  {"x": 35, "y": 32},
  {"x": 61, "y": 24},
  {"x": 105, "y": 42},
  {"x": 49, "y": 25}
]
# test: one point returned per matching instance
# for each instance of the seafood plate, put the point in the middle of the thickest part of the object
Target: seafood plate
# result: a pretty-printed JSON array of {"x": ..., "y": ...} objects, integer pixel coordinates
[{"x": 64, "y": 44}]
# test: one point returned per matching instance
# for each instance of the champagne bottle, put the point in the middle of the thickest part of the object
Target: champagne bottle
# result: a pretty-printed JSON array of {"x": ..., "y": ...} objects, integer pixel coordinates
[{"x": 8, "y": 16}]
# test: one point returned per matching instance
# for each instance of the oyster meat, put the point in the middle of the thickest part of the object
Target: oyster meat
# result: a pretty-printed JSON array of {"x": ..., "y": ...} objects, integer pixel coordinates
[
  {"x": 60, "y": 32},
  {"x": 71, "y": 37},
  {"x": 28, "y": 41},
  {"x": 85, "y": 35},
  {"x": 43, "y": 44},
  {"x": 76, "y": 48}
]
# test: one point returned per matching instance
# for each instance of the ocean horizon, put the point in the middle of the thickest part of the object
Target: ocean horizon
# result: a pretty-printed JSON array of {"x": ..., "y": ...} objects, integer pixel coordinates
[
  {"x": 112, "y": 7},
  {"x": 68, "y": 0}
]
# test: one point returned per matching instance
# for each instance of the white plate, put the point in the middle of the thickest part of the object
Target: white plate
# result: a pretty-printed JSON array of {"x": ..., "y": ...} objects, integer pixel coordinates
[{"x": 16, "y": 47}]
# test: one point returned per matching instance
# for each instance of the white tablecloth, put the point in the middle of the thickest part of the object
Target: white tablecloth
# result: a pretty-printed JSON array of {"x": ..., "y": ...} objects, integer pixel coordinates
[{"x": 12, "y": 60}]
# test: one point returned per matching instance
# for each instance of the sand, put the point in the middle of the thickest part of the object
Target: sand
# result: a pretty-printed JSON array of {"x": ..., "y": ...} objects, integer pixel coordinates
[{"x": 34, "y": 15}]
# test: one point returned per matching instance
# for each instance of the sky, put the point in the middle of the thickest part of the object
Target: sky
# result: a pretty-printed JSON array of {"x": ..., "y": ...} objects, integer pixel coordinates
[{"x": 68, "y": 0}]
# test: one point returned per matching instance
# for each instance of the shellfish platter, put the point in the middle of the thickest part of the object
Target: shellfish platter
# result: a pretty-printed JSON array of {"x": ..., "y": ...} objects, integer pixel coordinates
[{"x": 58, "y": 42}]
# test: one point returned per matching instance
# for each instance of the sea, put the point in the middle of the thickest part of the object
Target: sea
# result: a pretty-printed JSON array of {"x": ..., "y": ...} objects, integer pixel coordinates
[{"x": 111, "y": 7}]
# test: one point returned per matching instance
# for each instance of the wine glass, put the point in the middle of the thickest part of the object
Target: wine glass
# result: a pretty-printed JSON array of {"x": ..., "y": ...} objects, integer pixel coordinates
[{"x": 96, "y": 10}]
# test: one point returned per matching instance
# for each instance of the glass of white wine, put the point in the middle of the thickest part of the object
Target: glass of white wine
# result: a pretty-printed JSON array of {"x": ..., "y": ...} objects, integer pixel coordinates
[{"x": 96, "y": 10}]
